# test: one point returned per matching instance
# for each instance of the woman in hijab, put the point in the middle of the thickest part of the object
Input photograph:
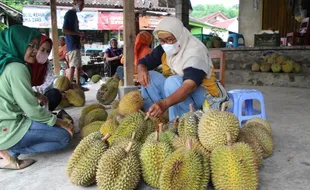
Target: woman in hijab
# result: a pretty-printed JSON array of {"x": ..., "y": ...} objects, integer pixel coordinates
[
  {"x": 191, "y": 74},
  {"x": 42, "y": 76},
  {"x": 25, "y": 127},
  {"x": 113, "y": 56},
  {"x": 141, "y": 49}
]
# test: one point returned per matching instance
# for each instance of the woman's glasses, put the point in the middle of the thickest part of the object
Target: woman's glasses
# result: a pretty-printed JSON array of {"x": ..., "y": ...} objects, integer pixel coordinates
[{"x": 168, "y": 40}]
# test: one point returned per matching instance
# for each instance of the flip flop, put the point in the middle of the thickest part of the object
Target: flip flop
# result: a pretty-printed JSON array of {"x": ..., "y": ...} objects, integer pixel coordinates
[
  {"x": 84, "y": 89},
  {"x": 18, "y": 164}
]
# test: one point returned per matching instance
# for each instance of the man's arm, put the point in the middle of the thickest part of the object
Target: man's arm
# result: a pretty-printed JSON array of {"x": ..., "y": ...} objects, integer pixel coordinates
[{"x": 153, "y": 60}]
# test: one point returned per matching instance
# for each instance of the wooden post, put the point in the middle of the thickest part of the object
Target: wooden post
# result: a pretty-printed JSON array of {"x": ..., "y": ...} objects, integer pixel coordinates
[
  {"x": 55, "y": 37},
  {"x": 182, "y": 11},
  {"x": 129, "y": 41}
]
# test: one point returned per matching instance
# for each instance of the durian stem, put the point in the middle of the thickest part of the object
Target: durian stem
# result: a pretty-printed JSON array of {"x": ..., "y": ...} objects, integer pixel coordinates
[
  {"x": 189, "y": 144},
  {"x": 191, "y": 108},
  {"x": 127, "y": 149},
  {"x": 229, "y": 139},
  {"x": 133, "y": 135},
  {"x": 160, "y": 127},
  {"x": 106, "y": 137},
  {"x": 147, "y": 116},
  {"x": 156, "y": 136}
]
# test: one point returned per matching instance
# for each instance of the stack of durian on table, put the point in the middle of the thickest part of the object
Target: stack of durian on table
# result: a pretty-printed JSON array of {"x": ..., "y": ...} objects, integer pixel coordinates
[{"x": 194, "y": 151}]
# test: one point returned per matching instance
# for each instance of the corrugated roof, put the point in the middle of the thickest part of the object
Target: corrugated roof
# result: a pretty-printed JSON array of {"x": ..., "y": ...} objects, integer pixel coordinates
[{"x": 139, "y": 4}]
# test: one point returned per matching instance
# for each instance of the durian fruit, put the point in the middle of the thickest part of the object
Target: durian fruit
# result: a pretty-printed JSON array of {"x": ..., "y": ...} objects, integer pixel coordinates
[
  {"x": 64, "y": 103},
  {"x": 296, "y": 67},
  {"x": 262, "y": 122},
  {"x": 82, "y": 166},
  {"x": 115, "y": 115},
  {"x": 152, "y": 156},
  {"x": 129, "y": 124},
  {"x": 281, "y": 59},
  {"x": 124, "y": 141},
  {"x": 95, "y": 115},
  {"x": 130, "y": 103},
  {"x": 181, "y": 142},
  {"x": 287, "y": 66},
  {"x": 62, "y": 84},
  {"x": 233, "y": 167},
  {"x": 276, "y": 68},
  {"x": 75, "y": 97},
  {"x": 265, "y": 67},
  {"x": 164, "y": 136},
  {"x": 109, "y": 127},
  {"x": 252, "y": 141},
  {"x": 213, "y": 126},
  {"x": 149, "y": 128},
  {"x": 188, "y": 124},
  {"x": 118, "y": 169},
  {"x": 115, "y": 104},
  {"x": 185, "y": 169},
  {"x": 91, "y": 128},
  {"x": 255, "y": 67},
  {"x": 91, "y": 107},
  {"x": 108, "y": 91},
  {"x": 95, "y": 78},
  {"x": 172, "y": 125},
  {"x": 263, "y": 137}
]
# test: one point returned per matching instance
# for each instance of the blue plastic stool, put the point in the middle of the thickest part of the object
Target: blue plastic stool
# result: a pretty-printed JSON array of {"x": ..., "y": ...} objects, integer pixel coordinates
[
  {"x": 238, "y": 96},
  {"x": 235, "y": 37}
]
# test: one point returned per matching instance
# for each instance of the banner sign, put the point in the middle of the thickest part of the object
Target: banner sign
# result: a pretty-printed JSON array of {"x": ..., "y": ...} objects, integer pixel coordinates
[
  {"x": 37, "y": 17},
  {"x": 149, "y": 22},
  {"x": 110, "y": 21}
]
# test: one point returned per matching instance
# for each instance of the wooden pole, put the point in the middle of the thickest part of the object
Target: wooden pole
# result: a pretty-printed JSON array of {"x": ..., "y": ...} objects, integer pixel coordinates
[
  {"x": 182, "y": 11},
  {"x": 129, "y": 41},
  {"x": 55, "y": 37}
]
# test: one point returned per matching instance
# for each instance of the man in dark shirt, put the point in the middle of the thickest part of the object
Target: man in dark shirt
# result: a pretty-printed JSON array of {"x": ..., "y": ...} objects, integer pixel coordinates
[{"x": 71, "y": 30}]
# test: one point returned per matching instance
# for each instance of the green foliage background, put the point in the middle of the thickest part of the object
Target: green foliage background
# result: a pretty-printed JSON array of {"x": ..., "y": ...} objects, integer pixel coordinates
[{"x": 203, "y": 10}]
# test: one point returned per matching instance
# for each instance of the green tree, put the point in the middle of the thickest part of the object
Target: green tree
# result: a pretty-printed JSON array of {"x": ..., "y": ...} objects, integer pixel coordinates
[
  {"x": 203, "y": 10},
  {"x": 2, "y": 26}
]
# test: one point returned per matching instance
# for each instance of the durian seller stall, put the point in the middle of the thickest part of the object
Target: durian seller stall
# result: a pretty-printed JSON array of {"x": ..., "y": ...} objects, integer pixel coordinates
[{"x": 277, "y": 46}]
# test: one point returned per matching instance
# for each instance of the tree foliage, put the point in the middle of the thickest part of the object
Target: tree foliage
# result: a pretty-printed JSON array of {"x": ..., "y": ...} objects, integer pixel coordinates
[
  {"x": 18, "y": 4},
  {"x": 203, "y": 10},
  {"x": 2, "y": 26}
]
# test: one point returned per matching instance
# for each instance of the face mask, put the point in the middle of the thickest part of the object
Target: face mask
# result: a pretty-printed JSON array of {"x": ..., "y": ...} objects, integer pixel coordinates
[
  {"x": 171, "y": 49},
  {"x": 77, "y": 10},
  {"x": 42, "y": 57}
]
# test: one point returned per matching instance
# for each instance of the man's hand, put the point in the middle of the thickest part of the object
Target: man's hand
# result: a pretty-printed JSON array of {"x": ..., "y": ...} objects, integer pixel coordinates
[
  {"x": 143, "y": 75},
  {"x": 43, "y": 100},
  {"x": 66, "y": 125},
  {"x": 158, "y": 108}
]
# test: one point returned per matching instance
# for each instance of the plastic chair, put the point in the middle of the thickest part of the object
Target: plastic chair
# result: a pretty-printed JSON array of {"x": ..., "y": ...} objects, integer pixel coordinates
[
  {"x": 240, "y": 96},
  {"x": 233, "y": 40}
]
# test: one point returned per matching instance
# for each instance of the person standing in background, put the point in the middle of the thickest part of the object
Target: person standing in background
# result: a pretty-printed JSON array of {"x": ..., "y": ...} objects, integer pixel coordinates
[
  {"x": 73, "y": 40},
  {"x": 62, "y": 48}
]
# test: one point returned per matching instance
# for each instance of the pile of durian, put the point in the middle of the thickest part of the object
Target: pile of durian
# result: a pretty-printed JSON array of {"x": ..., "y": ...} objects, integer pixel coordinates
[
  {"x": 72, "y": 94},
  {"x": 192, "y": 152},
  {"x": 276, "y": 63}
]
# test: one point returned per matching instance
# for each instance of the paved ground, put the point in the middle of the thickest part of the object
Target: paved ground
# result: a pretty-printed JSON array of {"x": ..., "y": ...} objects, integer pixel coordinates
[{"x": 287, "y": 169}]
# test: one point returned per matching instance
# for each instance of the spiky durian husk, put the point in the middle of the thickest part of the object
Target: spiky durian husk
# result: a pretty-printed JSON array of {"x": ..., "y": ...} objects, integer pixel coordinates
[
  {"x": 118, "y": 169},
  {"x": 130, "y": 103},
  {"x": 95, "y": 115},
  {"x": 213, "y": 127},
  {"x": 262, "y": 135},
  {"x": 91, "y": 107},
  {"x": 259, "y": 121},
  {"x": 130, "y": 124},
  {"x": 233, "y": 167},
  {"x": 183, "y": 169},
  {"x": 153, "y": 155},
  {"x": 181, "y": 142},
  {"x": 90, "y": 128},
  {"x": 82, "y": 166}
]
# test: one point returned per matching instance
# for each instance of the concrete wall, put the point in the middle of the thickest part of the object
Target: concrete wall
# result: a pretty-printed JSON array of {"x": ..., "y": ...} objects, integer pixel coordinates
[
  {"x": 250, "y": 20},
  {"x": 239, "y": 62}
]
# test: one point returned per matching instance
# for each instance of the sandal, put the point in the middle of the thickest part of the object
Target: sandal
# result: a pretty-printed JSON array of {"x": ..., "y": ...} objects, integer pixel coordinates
[{"x": 18, "y": 164}]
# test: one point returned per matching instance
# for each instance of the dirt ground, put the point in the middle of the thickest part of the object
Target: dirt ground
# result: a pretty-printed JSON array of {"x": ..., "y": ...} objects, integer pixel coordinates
[{"x": 287, "y": 169}]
